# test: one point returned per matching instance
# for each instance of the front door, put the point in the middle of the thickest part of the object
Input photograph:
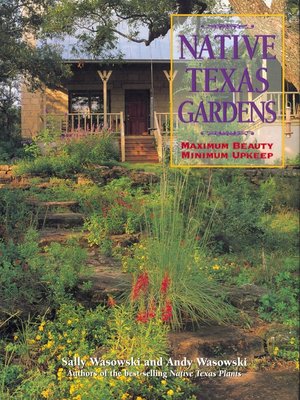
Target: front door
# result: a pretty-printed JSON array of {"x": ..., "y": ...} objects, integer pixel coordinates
[{"x": 137, "y": 112}]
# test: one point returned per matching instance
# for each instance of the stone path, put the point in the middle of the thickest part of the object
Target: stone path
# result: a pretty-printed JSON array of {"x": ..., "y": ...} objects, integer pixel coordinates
[{"x": 263, "y": 385}]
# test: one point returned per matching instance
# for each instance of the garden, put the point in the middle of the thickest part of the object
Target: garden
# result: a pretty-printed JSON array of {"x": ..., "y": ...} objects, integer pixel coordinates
[{"x": 114, "y": 275}]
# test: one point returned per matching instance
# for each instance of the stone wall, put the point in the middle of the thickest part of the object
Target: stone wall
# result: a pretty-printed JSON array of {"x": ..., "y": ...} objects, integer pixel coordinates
[
  {"x": 36, "y": 104},
  {"x": 31, "y": 111}
]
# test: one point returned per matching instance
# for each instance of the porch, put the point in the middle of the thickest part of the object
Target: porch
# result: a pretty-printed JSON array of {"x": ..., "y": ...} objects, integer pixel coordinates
[{"x": 138, "y": 146}]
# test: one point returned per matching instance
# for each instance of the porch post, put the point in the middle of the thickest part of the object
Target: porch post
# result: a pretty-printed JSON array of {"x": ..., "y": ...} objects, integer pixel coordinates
[
  {"x": 105, "y": 75},
  {"x": 170, "y": 78},
  {"x": 151, "y": 98}
]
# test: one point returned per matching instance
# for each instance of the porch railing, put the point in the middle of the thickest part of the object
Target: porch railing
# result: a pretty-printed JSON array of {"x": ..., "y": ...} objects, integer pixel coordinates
[
  {"x": 292, "y": 99},
  {"x": 90, "y": 123}
]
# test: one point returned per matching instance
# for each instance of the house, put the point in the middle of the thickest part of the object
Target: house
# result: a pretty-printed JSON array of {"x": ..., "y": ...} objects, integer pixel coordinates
[{"x": 129, "y": 97}]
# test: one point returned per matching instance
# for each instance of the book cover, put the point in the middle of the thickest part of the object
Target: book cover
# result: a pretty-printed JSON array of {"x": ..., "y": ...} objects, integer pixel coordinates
[{"x": 149, "y": 200}]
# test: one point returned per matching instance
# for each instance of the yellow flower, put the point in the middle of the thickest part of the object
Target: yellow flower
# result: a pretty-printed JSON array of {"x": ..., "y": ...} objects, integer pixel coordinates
[
  {"x": 46, "y": 393},
  {"x": 170, "y": 392},
  {"x": 50, "y": 336},
  {"x": 69, "y": 321},
  {"x": 72, "y": 389},
  {"x": 41, "y": 327},
  {"x": 293, "y": 340},
  {"x": 125, "y": 396},
  {"x": 275, "y": 351},
  {"x": 38, "y": 337},
  {"x": 297, "y": 365},
  {"x": 139, "y": 398},
  {"x": 16, "y": 337},
  {"x": 216, "y": 267},
  {"x": 122, "y": 378},
  {"x": 163, "y": 382},
  {"x": 59, "y": 373},
  {"x": 49, "y": 344},
  {"x": 112, "y": 383}
]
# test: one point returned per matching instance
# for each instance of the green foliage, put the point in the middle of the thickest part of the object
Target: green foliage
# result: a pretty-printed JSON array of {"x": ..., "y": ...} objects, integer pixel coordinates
[
  {"x": 15, "y": 216},
  {"x": 67, "y": 16},
  {"x": 281, "y": 231},
  {"x": 280, "y": 192},
  {"x": 108, "y": 335},
  {"x": 92, "y": 149},
  {"x": 132, "y": 339},
  {"x": 282, "y": 303},
  {"x": 18, "y": 57},
  {"x": 169, "y": 252},
  {"x": 10, "y": 119},
  {"x": 238, "y": 211},
  {"x": 64, "y": 159},
  {"x": 30, "y": 280},
  {"x": 61, "y": 166},
  {"x": 121, "y": 212}
]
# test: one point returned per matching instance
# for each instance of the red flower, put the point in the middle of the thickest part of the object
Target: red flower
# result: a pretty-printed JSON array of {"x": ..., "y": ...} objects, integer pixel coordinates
[
  {"x": 105, "y": 211},
  {"x": 111, "y": 302},
  {"x": 152, "y": 310},
  {"x": 142, "y": 317},
  {"x": 167, "y": 312},
  {"x": 141, "y": 285},
  {"x": 165, "y": 284}
]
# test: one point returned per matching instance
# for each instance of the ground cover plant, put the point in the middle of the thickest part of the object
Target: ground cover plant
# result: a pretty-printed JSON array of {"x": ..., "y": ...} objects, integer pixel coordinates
[{"x": 31, "y": 281}]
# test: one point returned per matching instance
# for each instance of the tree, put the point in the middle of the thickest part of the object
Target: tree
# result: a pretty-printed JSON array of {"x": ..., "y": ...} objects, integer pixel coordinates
[
  {"x": 96, "y": 24},
  {"x": 20, "y": 21},
  {"x": 290, "y": 8}
]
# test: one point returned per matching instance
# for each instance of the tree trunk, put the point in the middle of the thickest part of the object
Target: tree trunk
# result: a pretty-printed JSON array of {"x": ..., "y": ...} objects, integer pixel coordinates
[{"x": 291, "y": 33}]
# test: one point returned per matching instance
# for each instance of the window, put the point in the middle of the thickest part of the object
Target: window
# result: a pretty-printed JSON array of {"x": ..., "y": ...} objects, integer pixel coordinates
[
  {"x": 87, "y": 101},
  {"x": 85, "y": 107}
]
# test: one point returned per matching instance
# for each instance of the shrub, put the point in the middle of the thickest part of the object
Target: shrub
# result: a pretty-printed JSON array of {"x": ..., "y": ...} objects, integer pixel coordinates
[
  {"x": 15, "y": 215},
  {"x": 92, "y": 149},
  {"x": 70, "y": 157},
  {"x": 31, "y": 281}
]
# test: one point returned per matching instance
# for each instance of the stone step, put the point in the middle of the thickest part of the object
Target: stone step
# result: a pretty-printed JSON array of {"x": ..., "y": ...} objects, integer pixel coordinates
[
  {"x": 62, "y": 236},
  {"x": 141, "y": 154},
  {"x": 216, "y": 342},
  {"x": 262, "y": 385},
  {"x": 48, "y": 235},
  {"x": 145, "y": 146},
  {"x": 140, "y": 159},
  {"x": 107, "y": 279},
  {"x": 48, "y": 204},
  {"x": 144, "y": 150},
  {"x": 139, "y": 139},
  {"x": 61, "y": 220}
]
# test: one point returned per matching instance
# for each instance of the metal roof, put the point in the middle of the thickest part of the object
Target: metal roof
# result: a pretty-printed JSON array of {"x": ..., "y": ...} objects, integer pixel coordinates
[{"x": 158, "y": 50}]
